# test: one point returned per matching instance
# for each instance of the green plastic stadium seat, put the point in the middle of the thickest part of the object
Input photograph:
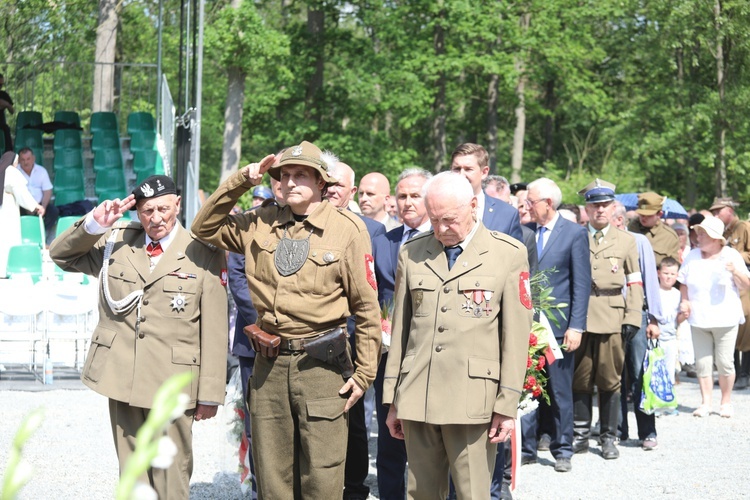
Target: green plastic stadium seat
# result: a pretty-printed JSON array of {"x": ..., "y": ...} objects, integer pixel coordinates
[
  {"x": 112, "y": 179},
  {"x": 67, "y": 139},
  {"x": 68, "y": 196},
  {"x": 139, "y": 121},
  {"x": 107, "y": 158},
  {"x": 71, "y": 117},
  {"x": 113, "y": 194},
  {"x": 32, "y": 231},
  {"x": 142, "y": 141},
  {"x": 29, "y": 138},
  {"x": 25, "y": 259},
  {"x": 68, "y": 159},
  {"x": 25, "y": 118},
  {"x": 103, "y": 120},
  {"x": 64, "y": 223},
  {"x": 105, "y": 139},
  {"x": 67, "y": 179}
]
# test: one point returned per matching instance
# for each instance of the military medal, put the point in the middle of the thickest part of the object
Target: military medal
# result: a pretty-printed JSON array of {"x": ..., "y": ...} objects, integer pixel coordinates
[
  {"x": 291, "y": 254},
  {"x": 178, "y": 302},
  {"x": 487, "y": 296},
  {"x": 615, "y": 267},
  {"x": 467, "y": 306}
]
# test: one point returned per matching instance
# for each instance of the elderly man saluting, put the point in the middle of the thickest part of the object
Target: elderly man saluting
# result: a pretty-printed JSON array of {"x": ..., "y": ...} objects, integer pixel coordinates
[
  {"x": 308, "y": 268},
  {"x": 162, "y": 311},
  {"x": 456, "y": 366}
]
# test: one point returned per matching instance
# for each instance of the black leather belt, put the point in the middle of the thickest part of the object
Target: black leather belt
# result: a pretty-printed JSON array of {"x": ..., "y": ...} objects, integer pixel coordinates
[{"x": 598, "y": 292}]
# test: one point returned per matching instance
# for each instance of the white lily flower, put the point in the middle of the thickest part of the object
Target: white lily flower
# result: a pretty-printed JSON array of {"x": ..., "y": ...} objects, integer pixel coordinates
[
  {"x": 166, "y": 453},
  {"x": 143, "y": 491},
  {"x": 182, "y": 404}
]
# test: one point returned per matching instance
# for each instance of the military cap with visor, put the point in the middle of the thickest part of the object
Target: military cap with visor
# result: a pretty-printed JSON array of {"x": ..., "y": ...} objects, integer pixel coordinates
[
  {"x": 720, "y": 203},
  {"x": 598, "y": 191},
  {"x": 305, "y": 154},
  {"x": 650, "y": 203}
]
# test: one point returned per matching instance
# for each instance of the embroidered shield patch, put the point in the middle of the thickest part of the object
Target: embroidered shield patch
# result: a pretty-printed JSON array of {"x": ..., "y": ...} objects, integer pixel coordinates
[
  {"x": 370, "y": 265},
  {"x": 524, "y": 290}
]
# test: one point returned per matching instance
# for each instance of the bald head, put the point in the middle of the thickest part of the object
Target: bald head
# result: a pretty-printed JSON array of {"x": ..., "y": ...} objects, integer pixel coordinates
[
  {"x": 341, "y": 193},
  {"x": 451, "y": 207},
  {"x": 374, "y": 193}
]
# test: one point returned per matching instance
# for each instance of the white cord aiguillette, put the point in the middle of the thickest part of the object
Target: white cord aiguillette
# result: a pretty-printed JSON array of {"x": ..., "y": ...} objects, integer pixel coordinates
[{"x": 121, "y": 306}]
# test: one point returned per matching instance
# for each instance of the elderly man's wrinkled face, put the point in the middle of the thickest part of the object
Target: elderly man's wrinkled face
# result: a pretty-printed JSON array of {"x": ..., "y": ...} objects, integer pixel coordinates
[
  {"x": 26, "y": 160},
  {"x": 159, "y": 215},
  {"x": 452, "y": 222}
]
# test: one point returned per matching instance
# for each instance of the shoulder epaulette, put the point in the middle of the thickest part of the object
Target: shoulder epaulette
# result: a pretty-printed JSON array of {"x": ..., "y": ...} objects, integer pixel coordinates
[
  {"x": 420, "y": 236},
  {"x": 505, "y": 238},
  {"x": 209, "y": 245}
]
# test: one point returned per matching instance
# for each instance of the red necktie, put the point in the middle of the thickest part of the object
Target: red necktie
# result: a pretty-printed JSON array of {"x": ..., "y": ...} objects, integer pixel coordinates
[{"x": 154, "y": 249}]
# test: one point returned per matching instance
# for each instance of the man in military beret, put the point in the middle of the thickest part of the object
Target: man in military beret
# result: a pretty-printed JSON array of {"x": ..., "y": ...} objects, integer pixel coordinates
[
  {"x": 162, "y": 311},
  {"x": 309, "y": 267},
  {"x": 613, "y": 318},
  {"x": 663, "y": 239},
  {"x": 737, "y": 234},
  {"x": 457, "y": 360}
]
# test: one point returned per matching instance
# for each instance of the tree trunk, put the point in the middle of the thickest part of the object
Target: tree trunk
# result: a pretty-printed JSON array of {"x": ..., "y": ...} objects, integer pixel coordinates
[
  {"x": 316, "y": 30},
  {"x": 438, "y": 120},
  {"x": 550, "y": 103},
  {"x": 104, "y": 55},
  {"x": 230, "y": 155},
  {"x": 721, "y": 126},
  {"x": 492, "y": 90},
  {"x": 520, "y": 112}
]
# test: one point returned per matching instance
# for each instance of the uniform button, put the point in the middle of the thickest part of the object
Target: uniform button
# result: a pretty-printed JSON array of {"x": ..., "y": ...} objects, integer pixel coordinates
[
  {"x": 439, "y": 348},
  {"x": 179, "y": 287},
  {"x": 122, "y": 274},
  {"x": 447, "y": 289},
  {"x": 596, "y": 256},
  {"x": 441, "y": 329},
  {"x": 145, "y": 302},
  {"x": 595, "y": 268},
  {"x": 489, "y": 372},
  {"x": 143, "y": 320},
  {"x": 194, "y": 359},
  {"x": 444, "y": 308},
  {"x": 141, "y": 335},
  {"x": 476, "y": 284}
]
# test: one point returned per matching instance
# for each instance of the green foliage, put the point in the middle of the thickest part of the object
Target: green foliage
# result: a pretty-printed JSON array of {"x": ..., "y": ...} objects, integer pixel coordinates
[{"x": 18, "y": 472}]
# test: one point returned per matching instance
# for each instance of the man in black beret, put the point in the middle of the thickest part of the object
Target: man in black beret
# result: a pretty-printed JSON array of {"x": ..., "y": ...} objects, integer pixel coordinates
[{"x": 162, "y": 311}]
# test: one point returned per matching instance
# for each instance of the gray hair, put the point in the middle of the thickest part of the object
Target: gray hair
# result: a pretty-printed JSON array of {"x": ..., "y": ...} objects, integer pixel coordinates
[
  {"x": 451, "y": 184},
  {"x": 411, "y": 172},
  {"x": 620, "y": 210},
  {"x": 547, "y": 189},
  {"x": 495, "y": 179}
]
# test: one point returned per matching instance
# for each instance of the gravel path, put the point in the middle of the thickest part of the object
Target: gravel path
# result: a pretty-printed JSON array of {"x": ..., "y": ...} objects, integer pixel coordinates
[{"x": 73, "y": 456}]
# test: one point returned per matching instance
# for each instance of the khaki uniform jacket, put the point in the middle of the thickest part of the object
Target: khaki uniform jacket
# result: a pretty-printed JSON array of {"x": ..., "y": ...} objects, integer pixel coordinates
[
  {"x": 663, "y": 239},
  {"x": 452, "y": 360},
  {"x": 737, "y": 235},
  {"x": 336, "y": 281},
  {"x": 614, "y": 264},
  {"x": 129, "y": 360}
]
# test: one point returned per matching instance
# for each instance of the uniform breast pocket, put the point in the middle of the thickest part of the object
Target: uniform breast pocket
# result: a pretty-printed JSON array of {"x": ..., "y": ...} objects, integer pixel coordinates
[
  {"x": 420, "y": 288},
  {"x": 321, "y": 273},
  {"x": 101, "y": 343},
  {"x": 484, "y": 378},
  {"x": 122, "y": 280},
  {"x": 476, "y": 297},
  {"x": 263, "y": 247},
  {"x": 181, "y": 294}
]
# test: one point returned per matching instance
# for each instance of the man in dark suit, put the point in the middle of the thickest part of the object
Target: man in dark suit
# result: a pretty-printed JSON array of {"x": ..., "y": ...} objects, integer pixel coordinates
[
  {"x": 357, "y": 453},
  {"x": 472, "y": 161},
  {"x": 564, "y": 247},
  {"x": 391, "y": 459}
]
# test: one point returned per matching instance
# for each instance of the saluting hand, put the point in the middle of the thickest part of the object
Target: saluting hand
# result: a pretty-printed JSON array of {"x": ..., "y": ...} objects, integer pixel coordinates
[
  {"x": 110, "y": 211},
  {"x": 254, "y": 171},
  {"x": 500, "y": 428}
]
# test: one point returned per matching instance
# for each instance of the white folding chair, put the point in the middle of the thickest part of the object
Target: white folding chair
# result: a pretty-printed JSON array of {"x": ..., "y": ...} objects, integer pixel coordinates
[
  {"x": 69, "y": 310},
  {"x": 21, "y": 309}
]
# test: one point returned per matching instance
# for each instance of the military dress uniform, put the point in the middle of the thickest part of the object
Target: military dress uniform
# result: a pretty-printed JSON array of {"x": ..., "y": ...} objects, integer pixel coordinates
[
  {"x": 599, "y": 359},
  {"x": 178, "y": 324},
  {"x": 737, "y": 234},
  {"x": 663, "y": 239},
  {"x": 458, "y": 353},
  {"x": 297, "y": 416}
]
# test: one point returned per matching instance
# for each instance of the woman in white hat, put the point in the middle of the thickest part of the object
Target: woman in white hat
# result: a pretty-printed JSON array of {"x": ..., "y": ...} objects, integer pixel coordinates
[{"x": 710, "y": 280}]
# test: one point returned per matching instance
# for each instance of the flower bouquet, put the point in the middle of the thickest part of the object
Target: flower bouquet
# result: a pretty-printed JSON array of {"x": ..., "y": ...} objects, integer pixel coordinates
[
  {"x": 386, "y": 316},
  {"x": 543, "y": 348}
]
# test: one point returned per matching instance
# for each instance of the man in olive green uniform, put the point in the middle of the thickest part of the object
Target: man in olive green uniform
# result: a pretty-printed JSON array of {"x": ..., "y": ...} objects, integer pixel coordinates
[
  {"x": 162, "y": 311},
  {"x": 309, "y": 267},
  {"x": 457, "y": 360},
  {"x": 612, "y": 315},
  {"x": 663, "y": 239},
  {"x": 737, "y": 234}
]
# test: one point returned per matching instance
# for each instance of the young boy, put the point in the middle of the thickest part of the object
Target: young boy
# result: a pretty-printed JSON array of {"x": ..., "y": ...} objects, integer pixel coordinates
[{"x": 670, "y": 304}]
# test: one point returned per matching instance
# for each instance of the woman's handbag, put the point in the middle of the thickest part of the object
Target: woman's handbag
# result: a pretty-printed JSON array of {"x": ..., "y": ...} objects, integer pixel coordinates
[{"x": 658, "y": 392}]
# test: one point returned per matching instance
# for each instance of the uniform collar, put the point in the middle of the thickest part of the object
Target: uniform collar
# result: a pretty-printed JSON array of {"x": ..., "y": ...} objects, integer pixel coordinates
[{"x": 317, "y": 218}]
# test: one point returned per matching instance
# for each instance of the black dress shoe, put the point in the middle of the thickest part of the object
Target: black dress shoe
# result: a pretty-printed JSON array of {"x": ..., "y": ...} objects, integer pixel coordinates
[
  {"x": 609, "y": 450},
  {"x": 505, "y": 492},
  {"x": 563, "y": 464},
  {"x": 526, "y": 460},
  {"x": 544, "y": 441},
  {"x": 581, "y": 446}
]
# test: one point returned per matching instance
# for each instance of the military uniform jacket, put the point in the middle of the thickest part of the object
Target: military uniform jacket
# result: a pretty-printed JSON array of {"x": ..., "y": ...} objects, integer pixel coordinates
[
  {"x": 737, "y": 235},
  {"x": 460, "y": 336},
  {"x": 663, "y": 239},
  {"x": 614, "y": 264},
  {"x": 129, "y": 360},
  {"x": 335, "y": 281}
]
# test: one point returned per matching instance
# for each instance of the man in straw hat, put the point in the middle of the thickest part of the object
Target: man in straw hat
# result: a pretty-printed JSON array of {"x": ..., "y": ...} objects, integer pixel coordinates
[
  {"x": 613, "y": 318},
  {"x": 737, "y": 234},
  {"x": 309, "y": 267},
  {"x": 162, "y": 311}
]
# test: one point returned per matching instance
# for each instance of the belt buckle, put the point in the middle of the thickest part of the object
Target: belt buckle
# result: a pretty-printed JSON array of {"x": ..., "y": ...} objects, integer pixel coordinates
[{"x": 286, "y": 344}]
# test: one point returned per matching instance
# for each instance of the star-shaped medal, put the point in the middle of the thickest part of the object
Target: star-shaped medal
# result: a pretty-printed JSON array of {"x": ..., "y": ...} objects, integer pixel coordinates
[{"x": 178, "y": 302}]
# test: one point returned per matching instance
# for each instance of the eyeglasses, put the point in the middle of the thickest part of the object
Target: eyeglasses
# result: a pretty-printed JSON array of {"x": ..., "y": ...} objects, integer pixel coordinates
[{"x": 531, "y": 203}]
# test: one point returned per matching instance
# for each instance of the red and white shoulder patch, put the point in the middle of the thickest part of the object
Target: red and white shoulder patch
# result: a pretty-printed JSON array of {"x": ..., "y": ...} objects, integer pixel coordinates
[
  {"x": 370, "y": 266},
  {"x": 524, "y": 290},
  {"x": 224, "y": 277}
]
